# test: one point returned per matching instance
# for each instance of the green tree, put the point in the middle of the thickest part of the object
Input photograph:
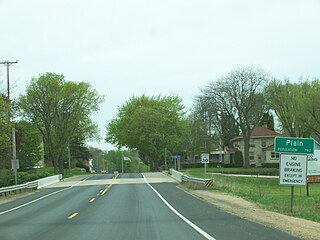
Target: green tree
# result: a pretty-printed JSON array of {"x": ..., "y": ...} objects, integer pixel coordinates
[
  {"x": 285, "y": 99},
  {"x": 61, "y": 110},
  {"x": 267, "y": 121},
  {"x": 5, "y": 131},
  {"x": 308, "y": 101},
  {"x": 28, "y": 144},
  {"x": 219, "y": 123},
  {"x": 239, "y": 95},
  {"x": 149, "y": 125}
]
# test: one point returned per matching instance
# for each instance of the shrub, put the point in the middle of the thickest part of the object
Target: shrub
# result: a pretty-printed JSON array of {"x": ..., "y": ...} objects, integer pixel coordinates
[
  {"x": 6, "y": 178},
  {"x": 270, "y": 165}
]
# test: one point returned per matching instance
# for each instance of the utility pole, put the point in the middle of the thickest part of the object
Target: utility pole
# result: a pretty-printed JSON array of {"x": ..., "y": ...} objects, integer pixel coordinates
[
  {"x": 69, "y": 164},
  {"x": 165, "y": 158},
  {"x": 121, "y": 162},
  {"x": 8, "y": 64}
]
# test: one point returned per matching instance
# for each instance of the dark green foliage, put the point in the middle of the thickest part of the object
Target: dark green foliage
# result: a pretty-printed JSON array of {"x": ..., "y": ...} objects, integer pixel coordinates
[
  {"x": 24, "y": 177},
  {"x": 28, "y": 142},
  {"x": 238, "y": 159},
  {"x": 270, "y": 165},
  {"x": 149, "y": 125},
  {"x": 61, "y": 110}
]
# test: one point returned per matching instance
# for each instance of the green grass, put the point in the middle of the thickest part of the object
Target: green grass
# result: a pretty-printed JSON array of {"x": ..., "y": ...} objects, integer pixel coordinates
[
  {"x": 246, "y": 171},
  {"x": 268, "y": 193}
]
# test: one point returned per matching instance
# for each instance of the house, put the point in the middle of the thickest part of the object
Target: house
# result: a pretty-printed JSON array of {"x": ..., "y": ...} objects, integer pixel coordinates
[{"x": 261, "y": 147}]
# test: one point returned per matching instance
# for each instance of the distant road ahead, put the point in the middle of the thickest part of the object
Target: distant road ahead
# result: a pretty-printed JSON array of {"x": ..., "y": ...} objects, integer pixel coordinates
[{"x": 100, "y": 207}]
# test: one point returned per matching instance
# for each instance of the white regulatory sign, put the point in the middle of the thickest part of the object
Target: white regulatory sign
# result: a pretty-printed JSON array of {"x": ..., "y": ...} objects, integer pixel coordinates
[
  {"x": 314, "y": 164},
  {"x": 293, "y": 170},
  {"x": 205, "y": 158}
]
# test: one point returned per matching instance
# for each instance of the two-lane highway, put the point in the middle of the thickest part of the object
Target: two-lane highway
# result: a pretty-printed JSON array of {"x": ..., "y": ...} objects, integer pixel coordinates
[{"x": 131, "y": 206}]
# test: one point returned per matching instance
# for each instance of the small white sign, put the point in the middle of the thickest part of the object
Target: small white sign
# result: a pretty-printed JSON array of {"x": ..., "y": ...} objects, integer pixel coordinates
[
  {"x": 293, "y": 170},
  {"x": 314, "y": 164},
  {"x": 205, "y": 158}
]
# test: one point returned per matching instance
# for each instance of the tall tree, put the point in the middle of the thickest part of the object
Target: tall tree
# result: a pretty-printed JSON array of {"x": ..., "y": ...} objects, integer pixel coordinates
[
  {"x": 61, "y": 110},
  {"x": 148, "y": 124},
  {"x": 307, "y": 101},
  {"x": 239, "y": 94},
  {"x": 285, "y": 99},
  {"x": 219, "y": 122},
  {"x": 5, "y": 128},
  {"x": 28, "y": 144}
]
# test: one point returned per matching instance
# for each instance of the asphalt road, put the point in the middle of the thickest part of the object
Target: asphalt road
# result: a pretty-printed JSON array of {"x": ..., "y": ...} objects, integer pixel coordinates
[{"x": 124, "y": 208}]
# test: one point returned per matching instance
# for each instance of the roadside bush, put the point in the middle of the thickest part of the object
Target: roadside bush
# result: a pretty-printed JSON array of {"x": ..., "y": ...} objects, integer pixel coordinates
[
  {"x": 24, "y": 177},
  {"x": 238, "y": 159},
  {"x": 199, "y": 165},
  {"x": 191, "y": 165},
  {"x": 6, "y": 178},
  {"x": 270, "y": 165}
]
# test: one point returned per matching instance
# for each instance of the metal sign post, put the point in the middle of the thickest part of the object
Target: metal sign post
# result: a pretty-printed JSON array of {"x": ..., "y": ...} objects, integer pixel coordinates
[
  {"x": 15, "y": 161},
  {"x": 205, "y": 160},
  {"x": 293, "y": 172},
  {"x": 293, "y": 161}
]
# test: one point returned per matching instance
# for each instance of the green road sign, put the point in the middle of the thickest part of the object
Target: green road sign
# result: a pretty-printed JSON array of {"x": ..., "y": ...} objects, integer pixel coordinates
[{"x": 294, "y": 145}]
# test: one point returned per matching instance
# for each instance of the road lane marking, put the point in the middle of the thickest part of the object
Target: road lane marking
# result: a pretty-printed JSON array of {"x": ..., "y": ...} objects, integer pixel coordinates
[
  {"x": 92, "y": 199},
  {"x": 40, "y": 198},
  {"x": 109, "y": 186},
  {"x": 191, "y": 224},
  {"x": 106, "y": 190},
  {"x": 72, "y": 216}
]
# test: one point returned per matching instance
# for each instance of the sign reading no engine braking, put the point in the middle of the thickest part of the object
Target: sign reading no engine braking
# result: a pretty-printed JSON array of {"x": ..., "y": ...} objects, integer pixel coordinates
[{"x": 293, "y": 170}]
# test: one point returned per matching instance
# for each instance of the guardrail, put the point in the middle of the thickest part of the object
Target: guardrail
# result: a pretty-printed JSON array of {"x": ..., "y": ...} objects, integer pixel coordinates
[
  {"x": 37, "y": 184},
  {"x": 176, "y": 175},
  {"x": 180, "y": 177},
  {"x": 186, "y": 178},
  {"x": 18, "y": 188}
]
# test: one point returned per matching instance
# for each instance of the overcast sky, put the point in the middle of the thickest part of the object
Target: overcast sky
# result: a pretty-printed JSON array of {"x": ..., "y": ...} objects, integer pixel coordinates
[{"x": 135, "y": 47}]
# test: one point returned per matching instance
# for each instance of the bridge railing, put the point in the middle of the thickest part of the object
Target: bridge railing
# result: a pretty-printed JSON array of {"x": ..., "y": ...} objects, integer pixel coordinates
[
  {"x": 181, "y": 177},
  {"x": 37, "y": 184}
]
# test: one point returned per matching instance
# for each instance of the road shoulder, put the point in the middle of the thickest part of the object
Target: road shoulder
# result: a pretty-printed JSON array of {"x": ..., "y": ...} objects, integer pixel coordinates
[{"x": 301, "y": 228}]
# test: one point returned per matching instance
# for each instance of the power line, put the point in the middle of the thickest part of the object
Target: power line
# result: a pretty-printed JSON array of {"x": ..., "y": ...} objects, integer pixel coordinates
[{"x": 8, "y": 64}]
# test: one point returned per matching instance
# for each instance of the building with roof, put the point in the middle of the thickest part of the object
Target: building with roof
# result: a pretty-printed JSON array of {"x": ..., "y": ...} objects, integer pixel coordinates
[{"x": 261, "y": 147}]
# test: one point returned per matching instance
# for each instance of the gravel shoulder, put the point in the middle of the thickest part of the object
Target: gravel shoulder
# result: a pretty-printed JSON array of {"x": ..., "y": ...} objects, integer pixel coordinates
[{"x": 301, "y": 228}]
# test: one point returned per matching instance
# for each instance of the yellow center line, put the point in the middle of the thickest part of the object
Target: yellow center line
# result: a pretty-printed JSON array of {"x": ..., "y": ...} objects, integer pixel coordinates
[
  {"x": 72, "y": 216},
  {"x": 106, "y": 190},
  {"x": 108, "y": 186},
  {"x": 92, "y": 199}
]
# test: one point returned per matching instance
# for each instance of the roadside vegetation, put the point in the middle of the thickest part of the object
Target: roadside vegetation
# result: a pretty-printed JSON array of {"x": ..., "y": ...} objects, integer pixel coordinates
[
  {"x": 266, "y": 192},
  {"x": 245, "y": 171}
]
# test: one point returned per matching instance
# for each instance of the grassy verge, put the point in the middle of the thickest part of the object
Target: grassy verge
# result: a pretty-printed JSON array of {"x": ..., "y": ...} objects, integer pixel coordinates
[
  {"x": 268, "y": 194},
  {"x": 246, "y": 171}
]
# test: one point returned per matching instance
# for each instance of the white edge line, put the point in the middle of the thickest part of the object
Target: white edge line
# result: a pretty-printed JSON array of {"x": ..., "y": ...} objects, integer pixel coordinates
[
  {"x": 40, "y": 198},
  {"x": 195, "y": 227}
]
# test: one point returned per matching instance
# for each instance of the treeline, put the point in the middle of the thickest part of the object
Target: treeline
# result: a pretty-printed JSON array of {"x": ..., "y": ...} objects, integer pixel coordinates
[
  {"x": 51, "y": 119},
  {"x": 244, "y": 98},
  {"x": 232, "y": 105}
]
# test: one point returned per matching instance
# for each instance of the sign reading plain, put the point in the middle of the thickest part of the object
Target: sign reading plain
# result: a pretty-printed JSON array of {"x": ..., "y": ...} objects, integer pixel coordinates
[
  {"x": 294, "y": 145},
  {"x": 293, "y": 170}
]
